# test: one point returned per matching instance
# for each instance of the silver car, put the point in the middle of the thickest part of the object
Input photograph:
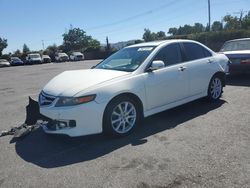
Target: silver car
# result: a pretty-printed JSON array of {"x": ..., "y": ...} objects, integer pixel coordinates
[
  {"x": 238, "y": 51},
  {"x": 4, "y": 63}
]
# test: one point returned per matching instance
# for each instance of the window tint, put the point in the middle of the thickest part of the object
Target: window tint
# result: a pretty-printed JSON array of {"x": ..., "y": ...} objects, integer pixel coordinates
[
  {"x": 195, "y": 51},
  {"x": 170, "y": 55},
  {"x": 206, "y": 52}
]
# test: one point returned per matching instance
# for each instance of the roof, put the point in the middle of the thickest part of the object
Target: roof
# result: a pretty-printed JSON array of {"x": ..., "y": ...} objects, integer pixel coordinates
[
  {"x": 157, "y": 43},
  {"x": 239, "y": 39}
]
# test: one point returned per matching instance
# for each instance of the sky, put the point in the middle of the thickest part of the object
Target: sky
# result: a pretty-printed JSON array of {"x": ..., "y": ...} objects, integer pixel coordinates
[{"x": 34, "y": 21}]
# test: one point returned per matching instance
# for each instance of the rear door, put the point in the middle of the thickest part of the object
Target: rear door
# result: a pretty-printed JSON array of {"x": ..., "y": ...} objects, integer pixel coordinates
[{"x": 200, "y": 67}]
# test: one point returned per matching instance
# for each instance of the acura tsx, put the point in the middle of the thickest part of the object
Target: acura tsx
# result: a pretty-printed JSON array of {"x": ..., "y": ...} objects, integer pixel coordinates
[{"x": 135, "y": 82}]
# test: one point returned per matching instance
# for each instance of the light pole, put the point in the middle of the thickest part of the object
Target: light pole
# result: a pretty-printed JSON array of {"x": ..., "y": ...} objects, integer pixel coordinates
[{"x": 209, "y": 16}]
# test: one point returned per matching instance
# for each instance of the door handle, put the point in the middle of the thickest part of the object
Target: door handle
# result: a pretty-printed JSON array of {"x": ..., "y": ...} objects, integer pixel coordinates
[
  {"x": 181, "y": 68},
  {"x": 209, "y": 61}
]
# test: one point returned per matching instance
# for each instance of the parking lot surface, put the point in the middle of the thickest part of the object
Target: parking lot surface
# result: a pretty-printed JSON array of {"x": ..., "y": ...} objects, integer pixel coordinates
[{"x": 199, "y": 144}]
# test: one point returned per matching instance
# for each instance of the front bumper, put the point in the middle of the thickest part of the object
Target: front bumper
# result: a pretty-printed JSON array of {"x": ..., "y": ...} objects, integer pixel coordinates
[{"x": 87, "y": 118}]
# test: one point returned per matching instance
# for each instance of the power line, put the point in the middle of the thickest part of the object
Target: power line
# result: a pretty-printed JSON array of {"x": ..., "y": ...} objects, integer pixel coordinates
[{"x": 135, "y": 16}]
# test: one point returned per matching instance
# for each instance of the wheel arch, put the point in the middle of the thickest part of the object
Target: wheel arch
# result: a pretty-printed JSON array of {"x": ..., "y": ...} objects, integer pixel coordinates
[
  {"x": 221, "y": 75},
  {"x": 130, "y": 95}
]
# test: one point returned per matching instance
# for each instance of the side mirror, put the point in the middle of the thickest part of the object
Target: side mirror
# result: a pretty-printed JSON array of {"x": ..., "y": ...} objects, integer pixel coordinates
[{"x": 155, "y": 65}]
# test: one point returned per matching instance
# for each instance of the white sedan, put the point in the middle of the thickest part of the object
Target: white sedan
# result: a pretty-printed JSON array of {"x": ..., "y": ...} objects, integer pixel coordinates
[{"x": 136, "y": 82}]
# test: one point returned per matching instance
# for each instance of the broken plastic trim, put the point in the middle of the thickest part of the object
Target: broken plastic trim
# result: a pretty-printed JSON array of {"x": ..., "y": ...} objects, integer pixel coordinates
[{"x": 30, "y": 124}]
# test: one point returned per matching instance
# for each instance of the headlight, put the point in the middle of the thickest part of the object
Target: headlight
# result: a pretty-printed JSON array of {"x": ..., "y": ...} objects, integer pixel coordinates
[{"x": 71, "y": 101}]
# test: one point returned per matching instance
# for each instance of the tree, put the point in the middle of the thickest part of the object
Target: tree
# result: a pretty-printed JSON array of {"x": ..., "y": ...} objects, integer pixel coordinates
[
  {"x": 148, "y": 35},
  {"x": 173, "y": 31},
  {"x": 231, "y": 23},
  {"x": 217, "y": 26},
  {"x": 108, "y": 46},
  {"x": 17, "y": 53},
  {"x": 151, "y": 36},
  {"x": 3, "y": 44},
  {"x": 198, "y": 28},
  {"x": 246, "y": 21},
  {"x": 76, "y": 39},
  {"x": 161, "y": 35},
  {"x": 51, "y": 51},
  {"x": 26, "y": 49}
]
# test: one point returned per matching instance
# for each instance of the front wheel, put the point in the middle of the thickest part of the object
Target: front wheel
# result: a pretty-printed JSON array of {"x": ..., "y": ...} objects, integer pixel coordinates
[
  {"x": 120, "y": 117},
  {"x": 215, "y": 88}
]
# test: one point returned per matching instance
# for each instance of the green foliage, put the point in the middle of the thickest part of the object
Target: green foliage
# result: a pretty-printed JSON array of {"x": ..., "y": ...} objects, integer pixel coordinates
[
  {"x": 187, "y": 29},
  {"x": 246, "y": 21},
  {"x": 232, "y": 23},
  {"x": 3, "y": 44},
  {"x": 17, "y": 53},
  {"x": 51, "y": 51},
  {"x": 214, "y": 40},
  {"x": 26, "y": 49},
  {"x": 76, "y": 39},
  {"x": 138, "y": 41},
  {"x": 151, "y": 36},
  {"x": 217, "y": 26}
]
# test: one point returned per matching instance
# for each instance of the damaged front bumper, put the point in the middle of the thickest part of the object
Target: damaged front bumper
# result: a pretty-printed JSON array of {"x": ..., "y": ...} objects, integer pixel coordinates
[{"x": 54, "y": 125}]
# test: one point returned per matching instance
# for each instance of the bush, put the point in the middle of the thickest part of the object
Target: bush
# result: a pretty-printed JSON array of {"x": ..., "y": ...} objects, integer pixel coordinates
[{"x": 214, "y": 40}]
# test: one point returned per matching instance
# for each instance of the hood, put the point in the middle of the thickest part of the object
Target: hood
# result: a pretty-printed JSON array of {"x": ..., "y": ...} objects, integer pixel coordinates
[
  {"x": 69, "y": 83},
  {"x": 35, "y": 58}
]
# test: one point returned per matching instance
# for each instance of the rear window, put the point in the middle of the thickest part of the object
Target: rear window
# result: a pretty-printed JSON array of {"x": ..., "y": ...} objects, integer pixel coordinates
[
  {"x": 236, "y": 45},
  {"x": 195, "y": 51}
]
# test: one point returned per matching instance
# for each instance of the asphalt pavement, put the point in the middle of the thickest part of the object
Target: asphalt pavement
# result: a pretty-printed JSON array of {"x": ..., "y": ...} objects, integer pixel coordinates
[{"x": 198, "y": 144}]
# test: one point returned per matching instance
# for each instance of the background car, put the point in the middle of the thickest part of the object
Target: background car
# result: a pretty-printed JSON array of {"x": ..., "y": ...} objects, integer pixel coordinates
[
  {"x": 46, "y": 59},
  {"x": 76, "y": 56},
  {"x": 33, "y": 58},
  {"x": 238, "y": 51},
  {"x": 61, "y": 57},
  {"x": 136, "y": 82},
  {"x": 15, "y": 61},
  {"x": 4, "y": 63}
]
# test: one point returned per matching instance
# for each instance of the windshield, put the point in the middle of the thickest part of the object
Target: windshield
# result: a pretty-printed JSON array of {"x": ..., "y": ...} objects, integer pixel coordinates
[
  {"x": 76, "y": 53},
  {"x": 236, "y": 45},
  {"x": 34, "y": 56},
  {"x": 62, "y": 54},
  {"x": 127, "y": 59},
  {"x": 15, "y": 59}
]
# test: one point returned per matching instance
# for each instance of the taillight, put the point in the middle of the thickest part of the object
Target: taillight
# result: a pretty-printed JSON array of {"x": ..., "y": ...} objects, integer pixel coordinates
[{"x": 245, "y": 61}]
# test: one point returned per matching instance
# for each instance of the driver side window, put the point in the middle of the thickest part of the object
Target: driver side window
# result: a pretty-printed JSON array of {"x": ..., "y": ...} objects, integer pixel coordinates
[{"x": 170, "y": 55}]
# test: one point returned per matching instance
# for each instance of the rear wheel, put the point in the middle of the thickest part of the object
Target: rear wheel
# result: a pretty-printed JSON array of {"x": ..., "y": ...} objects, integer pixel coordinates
[
  {"x": 121, "y": 117},
  {"x": 215, "y": 88}
]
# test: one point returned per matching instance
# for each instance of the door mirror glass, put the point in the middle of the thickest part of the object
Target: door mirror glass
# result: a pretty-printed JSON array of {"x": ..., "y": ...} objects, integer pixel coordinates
[{"x": 157, "y": 64}]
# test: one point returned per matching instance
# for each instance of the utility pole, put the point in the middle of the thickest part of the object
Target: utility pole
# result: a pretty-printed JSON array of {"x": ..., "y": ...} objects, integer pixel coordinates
[{"x": 209, "y": 15}]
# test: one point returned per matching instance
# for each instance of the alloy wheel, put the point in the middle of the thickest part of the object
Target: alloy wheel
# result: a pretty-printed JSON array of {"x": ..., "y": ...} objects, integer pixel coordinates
[
  {"x": 216, "y": 88},
  {"x": 123, "y": 117}
]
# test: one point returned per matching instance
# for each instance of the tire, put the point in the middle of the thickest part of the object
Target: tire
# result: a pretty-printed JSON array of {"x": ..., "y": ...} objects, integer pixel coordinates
[
  {"x": 215, "y": 88},
  {"x": 121, "y": 117}
]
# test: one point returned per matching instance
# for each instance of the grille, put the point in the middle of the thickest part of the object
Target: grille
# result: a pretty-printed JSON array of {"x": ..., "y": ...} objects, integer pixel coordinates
[{"x": 45, "y": 99}]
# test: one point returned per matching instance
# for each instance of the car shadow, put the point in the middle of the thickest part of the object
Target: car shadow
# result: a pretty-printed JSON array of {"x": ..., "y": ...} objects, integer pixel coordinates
[
  {"x": 51, "y": 151},
  {"x": 239, "y": 80}
]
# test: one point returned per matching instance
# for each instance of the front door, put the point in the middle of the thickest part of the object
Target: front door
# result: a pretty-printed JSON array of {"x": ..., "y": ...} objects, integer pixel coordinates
[{"x": 169, "y": 84}]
